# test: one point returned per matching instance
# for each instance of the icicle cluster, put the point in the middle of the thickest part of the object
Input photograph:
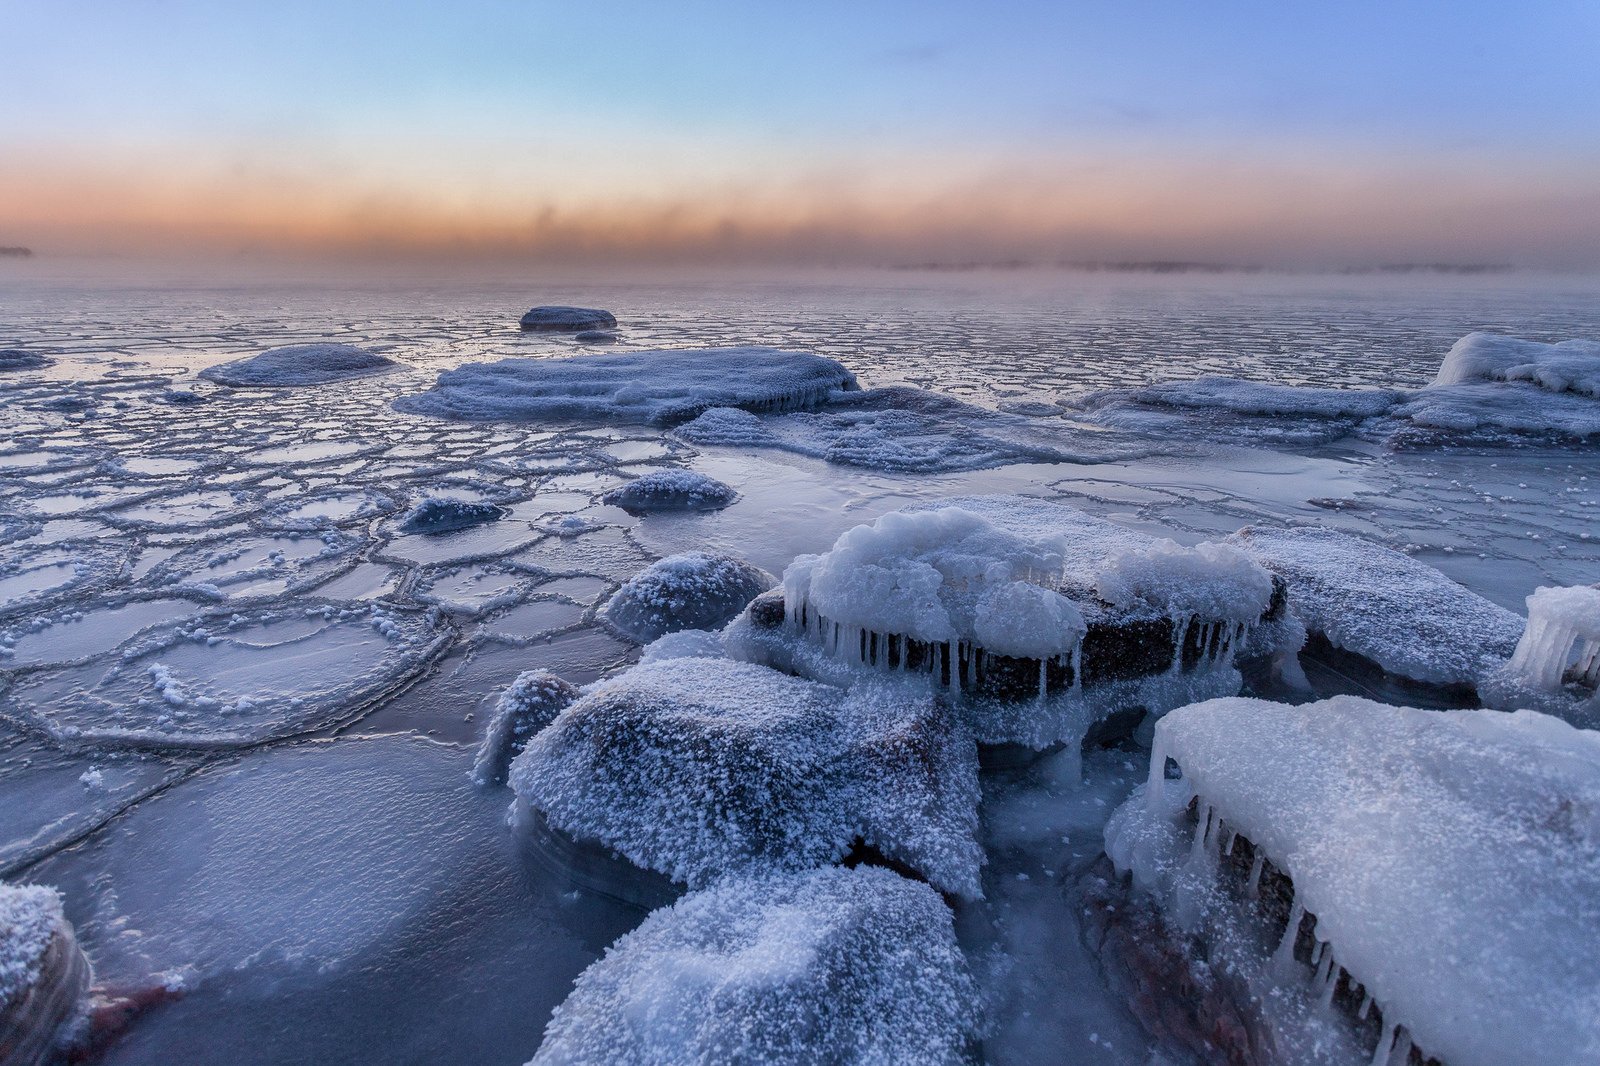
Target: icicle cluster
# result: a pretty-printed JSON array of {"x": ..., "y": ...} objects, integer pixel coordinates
[{"x": 1558, "y": 620}]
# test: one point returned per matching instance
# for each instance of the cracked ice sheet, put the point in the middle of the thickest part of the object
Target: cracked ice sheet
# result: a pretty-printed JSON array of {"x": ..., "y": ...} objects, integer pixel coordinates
[{"x": 310, "y": 895}]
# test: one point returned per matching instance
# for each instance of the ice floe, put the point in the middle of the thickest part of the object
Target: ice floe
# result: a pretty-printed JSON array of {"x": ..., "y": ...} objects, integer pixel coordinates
[
  {"x": 698, "y": 768},
  {"x": 1468, "y": 837},
  {"x": 554, "y": 317},
  {"x": 299, "y": 365},
  {"x": 671, "y": 490},
  {"x": 43, "y": 974},
  {"x": 648, "y": 388},
  {"x": 693, "y": 590},
  {"x": 833, "y": 965}
]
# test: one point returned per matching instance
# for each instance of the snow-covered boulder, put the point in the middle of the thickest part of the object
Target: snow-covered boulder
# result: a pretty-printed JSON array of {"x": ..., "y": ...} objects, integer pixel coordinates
[
  {"x": 297, "y": 365},
  {"x": 1570, "y": 366},
  {"x": 641, "y": 388},
  {"x": 1038, "y": 616},
  {"x": 43, "y": 974},
  {"x": 833, "y": 965},
  {"x": 553, "y": 318},
  {"x": 531, "y": 703},
  {"x": 1447, "y": 863},
  {"x": 698, "y": 768},
  {"x": 688, "y": 591},
  {"x": 1384, "y": 606},
  {"x": 442, "y": 514},
  {"x": 671, "y": 490},
  {"x": 13, "y": 360}
]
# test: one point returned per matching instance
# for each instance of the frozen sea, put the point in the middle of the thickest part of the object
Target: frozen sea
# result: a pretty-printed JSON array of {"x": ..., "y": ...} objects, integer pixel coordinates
[{"x": 239, "y": 703}]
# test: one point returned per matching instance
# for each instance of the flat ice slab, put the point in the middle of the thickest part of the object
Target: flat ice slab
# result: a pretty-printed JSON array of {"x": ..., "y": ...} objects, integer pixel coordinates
[
  {"x": 640, "y": 388},
  {"x": 697, "y": 768},
  {"x": 554, "y": 318},
  {"x": 1452, "y": 858},
  {"x": 299, "y": 365},
  {"x": 833, "y": 965}
]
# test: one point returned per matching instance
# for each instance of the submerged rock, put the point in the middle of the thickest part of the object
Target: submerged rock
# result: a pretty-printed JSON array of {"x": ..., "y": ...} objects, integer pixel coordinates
[
  {"x": 671, "y": 490},
  {"x": 299, "y": 365},
  {"x": 834, "y": 965},
  {"x": 596, "y": 336},
  {"x": 43, "y": 974},
  {"x": 438, "y": 514},
  {"x": 18, "y": 359},
  {"x": 554, "y": 317},
  {"x": 689, "y": 591},
  {"x": 698, "y": 767}
]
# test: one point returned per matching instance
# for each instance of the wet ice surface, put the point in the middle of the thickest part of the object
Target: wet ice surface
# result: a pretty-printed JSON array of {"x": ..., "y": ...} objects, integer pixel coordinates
[{"x": 164, "y": 538}]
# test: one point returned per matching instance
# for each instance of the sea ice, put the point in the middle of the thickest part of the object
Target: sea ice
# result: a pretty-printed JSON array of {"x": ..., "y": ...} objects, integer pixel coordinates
[
  {"x": 43, "y": 974},
  {"x": 1387, "y": 607},
  {"x": 832, "y": 965},
  {"x": 689, "y": 591},
  {"x": 671, "y": 490},
  {"x": 1450, "y": 858},
  {"x": 698, "y": 768},
  {"x": 298, "y": 365},
  {"x": 651, "y": 388},
  {"x": 558, "y": 318}
]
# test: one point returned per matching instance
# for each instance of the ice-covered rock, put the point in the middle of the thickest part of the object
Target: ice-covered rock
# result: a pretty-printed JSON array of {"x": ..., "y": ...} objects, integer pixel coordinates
[
  {"x": 43, "y": 974},
  {"x": 671, "y": 490},
  {"x": 443, "y": 514},
  {"x": 1038, "y": 616},
  {"x": 698, "y": 768},
  {"x": 833, "y": 965},
  {"x": 13, "y": 360},
  {"x": 531, "y": 703},
  {"x": 650, "y": 388},
  {"x": 1489, "y": 414},
  {"x": 1570, "y": 366},
  {"x": 297, "y": 365},
  {"x": 688, "y": 591},
  {"x": 595, "y": 336},
  {"x": 1451, "y": 861},
  {"x": 684, "y": 644},
  {"x": 1384, "y": 606},
  {"x": 554, "y": 318}
]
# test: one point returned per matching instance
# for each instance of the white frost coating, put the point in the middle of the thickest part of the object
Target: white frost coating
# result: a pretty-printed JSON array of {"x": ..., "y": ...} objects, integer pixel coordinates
[
  {"x": 30, "y": 916},
  {"x": 689, "y": 591},
  {"x": 833, "y": 965},
  {"x": 1405, "y": 616},
  {"x": 1558, "y": 620},
  {"x": 684, "y": 644},
  {"x": 299, "y": 365},
  {"x": 1570, "y": 366},
  {"x": 1214, "y": 581},
  {"x": 652, "y": 388},
  {"x": 1016, "y": 618},
  {"x": 1452, "y": 858},
  {"x": 671, "y": 490},
  {"x": 442, "y": 514},
  {"x": 698, "y": 768},
  {"x": 531, "y": 703}
]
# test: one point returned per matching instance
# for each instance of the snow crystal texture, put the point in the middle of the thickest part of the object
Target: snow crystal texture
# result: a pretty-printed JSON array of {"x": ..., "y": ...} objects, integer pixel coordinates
[
  {"x": 671, "y": 490},
  {"x": 688, "y": 591}
]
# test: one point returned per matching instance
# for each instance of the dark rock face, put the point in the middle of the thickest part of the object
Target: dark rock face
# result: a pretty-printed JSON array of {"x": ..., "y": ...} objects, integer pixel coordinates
[
  {"x": 556, "y": 318},
  {"x": 31, "y": 1021}
]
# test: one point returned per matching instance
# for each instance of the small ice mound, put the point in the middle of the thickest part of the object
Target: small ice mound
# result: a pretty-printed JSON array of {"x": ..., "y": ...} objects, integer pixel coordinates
[
  {"x": 698, "y": 768},
  {"x": 298, "y": 365},
  {"x": 1556, "y": 665},
  {"x": 239, "y": 679},
  {"x": 689, "y": 591},
  {"x": 16, "y": 360},
  {"x": 1364, "y": 598},
  {"x": 181, "y": 397},
  {"x": 43, "y": 974},
  {"x": 1570, "y": 366},
  {"x": 1034, "y": 615},
  {"x": 1441, "y": 867},
  {"x": 555, "y": 318},
  {"x": 684, "y": 644},
  {"x": 658, "y": 388},
  {"x": 832, "y": 965},
  {"x": 531, "y": 703},
  {"x": 595, "y": 336},
  {"x": 671, "y": 490},
  {"x": 443, "y": 514}
]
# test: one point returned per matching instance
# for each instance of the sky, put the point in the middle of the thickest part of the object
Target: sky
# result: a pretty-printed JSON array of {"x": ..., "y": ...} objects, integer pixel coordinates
[{"x": 866, "y": 132}]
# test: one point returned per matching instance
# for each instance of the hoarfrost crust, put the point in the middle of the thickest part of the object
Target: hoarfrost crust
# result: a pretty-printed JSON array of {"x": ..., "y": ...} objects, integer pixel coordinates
[
  {"x": 689, "y": 591},
  {"x": 834, "y": 965},
  {"x": 30, "y": 916}
]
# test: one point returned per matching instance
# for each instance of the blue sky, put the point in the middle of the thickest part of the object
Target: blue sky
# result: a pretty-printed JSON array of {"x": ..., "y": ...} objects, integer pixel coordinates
[{"x": 450, "y": 122}]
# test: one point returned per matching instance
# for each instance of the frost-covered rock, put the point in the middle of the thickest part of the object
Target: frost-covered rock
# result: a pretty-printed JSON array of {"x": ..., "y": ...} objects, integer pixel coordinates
[
  {"x": 671, "y": 490},
  {"x": 1403, "y": 615},
  {"x": 698, "y": 768},
  {"x": 531, "y": 703},
  {"x": 440, "y": 514},
  {"x": 1451, "y": 860},
  {"x": 650, "y": 388},
  {"x": 13, "y": 360},
  {"x": 689, "y": 591},
  {"x": 298, "y": 365},
  {"x": 833, "y": 965},
  {"x": 1570, "y": 366},
  {"x": 43, "y": 974},
  {"x": 557, "y": 318},
  {"x": 1040, "y": 616}
]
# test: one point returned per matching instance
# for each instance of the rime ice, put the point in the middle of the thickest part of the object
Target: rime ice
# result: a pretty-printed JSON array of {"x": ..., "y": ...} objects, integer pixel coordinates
[{"x": 689, "y": 591}]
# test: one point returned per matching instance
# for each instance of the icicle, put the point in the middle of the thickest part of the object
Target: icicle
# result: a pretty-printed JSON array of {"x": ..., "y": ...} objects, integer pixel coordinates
[
  {"x": 1330, "y": 981},
  {"x": 1077, "y": 666},
  {"x": 1252, "y": 887},
  {"x": 1183, "y": 636},
  {"x": 1366, "y": 1005},
  {"x": 1043, "y": 676},
  {"x": 1283, "y": 957},
  {"x": 1156, "y": 784},
  {"x": 1228, "y": 842},
  {"x": 1380, "y": 1055},
  {"x": 953, "y": 650}
]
